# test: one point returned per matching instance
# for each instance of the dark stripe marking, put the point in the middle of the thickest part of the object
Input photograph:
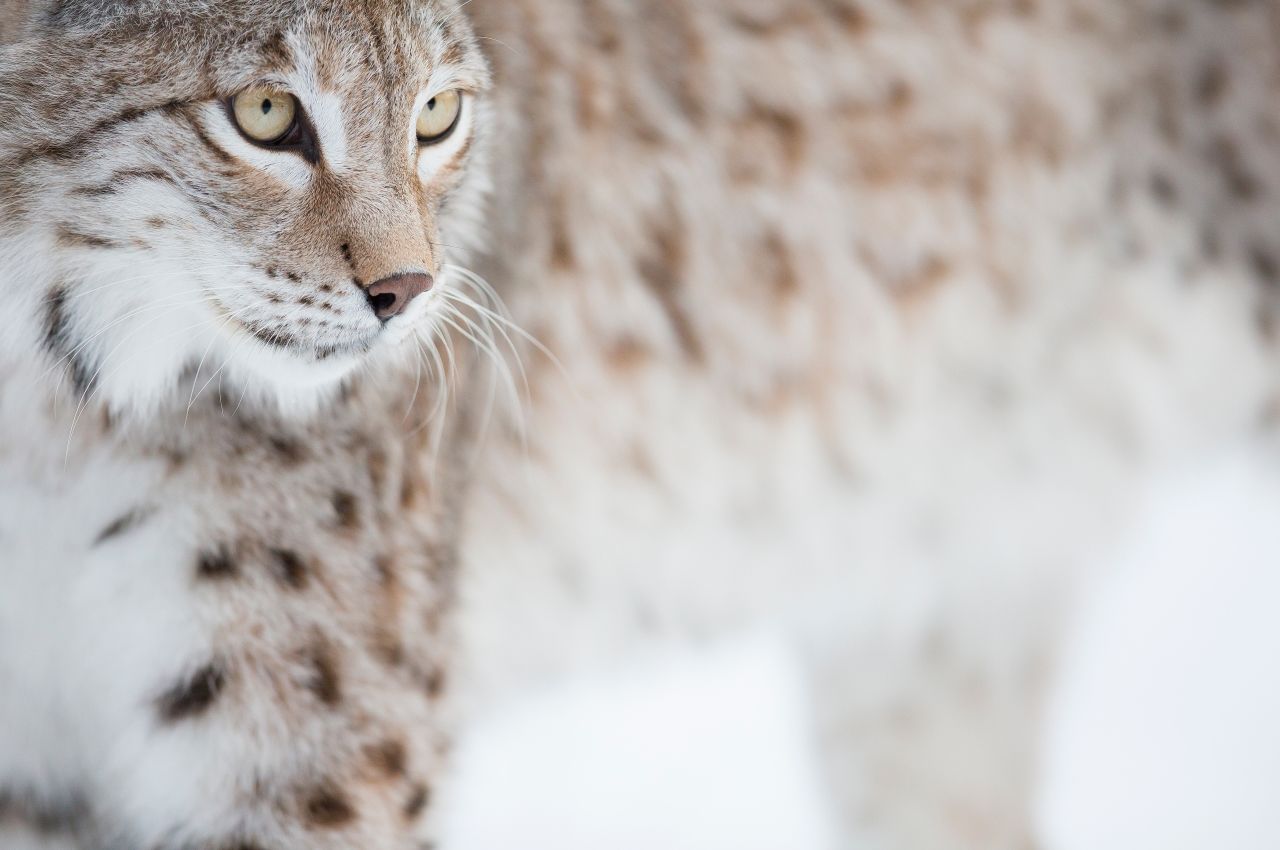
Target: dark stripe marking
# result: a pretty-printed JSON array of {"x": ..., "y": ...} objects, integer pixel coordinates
[
  {"x": 124, "y": 525},
  {"x": 198, "y": 131},
  {"x": 70, "y": 237},
  {"x": 118, "y": 180},
  {"x": 80, "y": 146},
  {"x": 58, "y": 345}
]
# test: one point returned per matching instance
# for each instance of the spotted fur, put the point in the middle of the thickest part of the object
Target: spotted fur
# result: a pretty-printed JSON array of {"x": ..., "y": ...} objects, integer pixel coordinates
[
  {"x": 864, "y": 312},
  {"x": 252, "y": 627}
]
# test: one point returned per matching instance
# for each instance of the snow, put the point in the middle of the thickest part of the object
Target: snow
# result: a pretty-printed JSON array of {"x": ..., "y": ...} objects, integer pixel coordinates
[
  {"x": 1165, "y": 731},
  {"x": 1162, "y": 733},
  {"x": 703, "y": 750}
]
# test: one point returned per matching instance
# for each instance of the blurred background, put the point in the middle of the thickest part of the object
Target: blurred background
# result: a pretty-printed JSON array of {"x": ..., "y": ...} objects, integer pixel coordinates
[
  {"x": 910, "y": 503},
  {"x": 1158, "y": 729},
  {"x": 899, "y": 477}
]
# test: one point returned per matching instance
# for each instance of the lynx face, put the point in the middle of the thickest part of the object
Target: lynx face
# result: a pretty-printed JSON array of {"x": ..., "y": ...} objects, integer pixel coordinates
[{"x": 265, "y": 192}]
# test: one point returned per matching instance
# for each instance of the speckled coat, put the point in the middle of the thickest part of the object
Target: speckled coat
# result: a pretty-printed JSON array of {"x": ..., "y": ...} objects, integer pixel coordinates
[{"x": 866, "y": 315}]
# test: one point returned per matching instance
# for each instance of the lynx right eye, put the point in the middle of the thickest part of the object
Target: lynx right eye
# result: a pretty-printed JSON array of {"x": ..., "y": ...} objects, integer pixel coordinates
[{"x": 266, "y": 116}]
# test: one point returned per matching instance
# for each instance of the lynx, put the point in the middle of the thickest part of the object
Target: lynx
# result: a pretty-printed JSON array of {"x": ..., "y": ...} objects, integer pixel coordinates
[{"x": 363, "y": 362}]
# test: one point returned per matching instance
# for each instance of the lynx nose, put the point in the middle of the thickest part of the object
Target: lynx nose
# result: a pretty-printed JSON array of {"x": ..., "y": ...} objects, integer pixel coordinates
[{"x": 390, "y": 296}]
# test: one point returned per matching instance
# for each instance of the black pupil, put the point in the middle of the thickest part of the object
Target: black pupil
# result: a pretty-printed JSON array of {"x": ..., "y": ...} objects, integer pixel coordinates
[
  {"x": 267, "y": 106},
  {"x": 431, "y": 104}
]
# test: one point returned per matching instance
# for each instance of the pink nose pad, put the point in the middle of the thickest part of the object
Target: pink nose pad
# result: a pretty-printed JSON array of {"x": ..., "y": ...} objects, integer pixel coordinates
[{"x": 390, "y": 296}]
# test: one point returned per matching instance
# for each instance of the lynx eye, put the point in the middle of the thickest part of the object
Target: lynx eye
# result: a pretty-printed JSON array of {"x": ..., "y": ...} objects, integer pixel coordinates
[
  {"x": 264, "y": 114},
  {"x": 439, "y": 118}
]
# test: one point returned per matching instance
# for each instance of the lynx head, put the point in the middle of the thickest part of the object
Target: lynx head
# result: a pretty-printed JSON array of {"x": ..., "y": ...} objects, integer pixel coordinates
[{"x": 267, "y": 190}]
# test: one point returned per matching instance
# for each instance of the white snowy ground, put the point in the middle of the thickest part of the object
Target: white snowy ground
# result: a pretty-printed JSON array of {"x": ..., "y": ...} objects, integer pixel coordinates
[
  {"x": 690, "y": 752},
  {"x": 1164, "y": 733}
]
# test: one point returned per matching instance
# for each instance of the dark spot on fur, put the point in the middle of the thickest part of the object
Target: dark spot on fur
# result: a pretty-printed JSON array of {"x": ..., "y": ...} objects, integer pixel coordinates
[
  {"x": 290, "y": 568},
  {"x": 419, "y": 797},
  {"x": 435, "y": 683},
  {"x": 325, "y": 682},
  {"x": 328, "y": 808},
  {"x": 287, "y": 450},
  {"x": 848, "y": 16},
  {"x": 408, "y": 493},
  {"x": 193, "y": 696},
  {"x": 563, "y": 256},
  {"x": 390, "y": 758},
  {"x": 294, "y": 277},
  {"x": 216, "y": 564},
  {"x": 346, "y": 511},
  {"x": 276, "y": 50}
]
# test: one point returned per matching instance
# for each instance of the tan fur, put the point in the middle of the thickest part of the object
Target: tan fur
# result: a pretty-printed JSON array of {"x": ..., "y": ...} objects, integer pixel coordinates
[{"x": 869, "y": 253}]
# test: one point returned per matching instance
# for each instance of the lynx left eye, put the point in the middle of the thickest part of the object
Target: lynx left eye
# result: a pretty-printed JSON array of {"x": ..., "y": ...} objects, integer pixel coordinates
[
  {"x": 266, "y": 116},
  {"x": 439, "y": 118}
]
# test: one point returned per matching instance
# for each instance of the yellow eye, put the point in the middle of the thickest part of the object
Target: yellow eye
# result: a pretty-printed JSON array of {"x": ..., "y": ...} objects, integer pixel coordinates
[
  {"x": 264, "y": 114},
  {"x": 439, "y": 117}
]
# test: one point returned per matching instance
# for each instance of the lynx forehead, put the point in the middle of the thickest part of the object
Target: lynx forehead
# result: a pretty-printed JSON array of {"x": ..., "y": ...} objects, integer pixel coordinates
[{"x": 268, "y": 191}]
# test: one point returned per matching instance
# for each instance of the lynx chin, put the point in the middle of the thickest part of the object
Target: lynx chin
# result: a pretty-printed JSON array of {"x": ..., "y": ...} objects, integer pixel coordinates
[{"x": 364, "y": 362}]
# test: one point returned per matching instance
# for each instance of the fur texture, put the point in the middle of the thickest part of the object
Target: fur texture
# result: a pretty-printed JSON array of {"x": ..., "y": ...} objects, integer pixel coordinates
[
  {"x": 228, "y": 536},
  {"x": 865, "y": 314}
]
